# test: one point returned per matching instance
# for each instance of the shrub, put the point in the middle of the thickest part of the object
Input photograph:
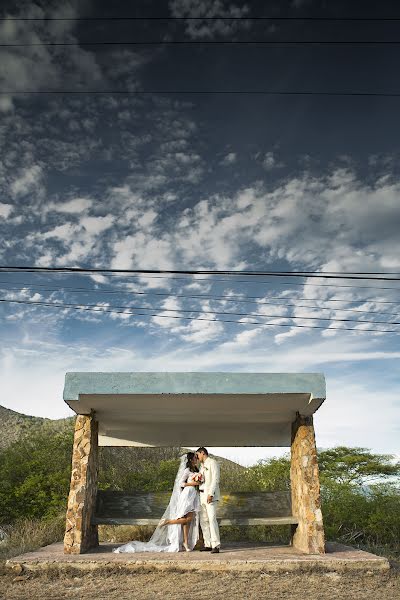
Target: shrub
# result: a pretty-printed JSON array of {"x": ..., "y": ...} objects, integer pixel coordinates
[{"x": 35, "y": 476}]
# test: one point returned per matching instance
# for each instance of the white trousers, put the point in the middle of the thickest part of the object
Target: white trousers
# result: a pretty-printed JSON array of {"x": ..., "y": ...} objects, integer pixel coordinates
[{"x": 208, "y": 522}]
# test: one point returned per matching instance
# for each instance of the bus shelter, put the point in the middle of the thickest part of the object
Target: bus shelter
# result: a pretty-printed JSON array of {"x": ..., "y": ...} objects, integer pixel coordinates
[{"x": 195, "y": 409}]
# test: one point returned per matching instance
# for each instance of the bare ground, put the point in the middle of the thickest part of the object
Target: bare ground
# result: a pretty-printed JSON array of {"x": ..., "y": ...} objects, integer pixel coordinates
[{"x": 203, "y": 585}]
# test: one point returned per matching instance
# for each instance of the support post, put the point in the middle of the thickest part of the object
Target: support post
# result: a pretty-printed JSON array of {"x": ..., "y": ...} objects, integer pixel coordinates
[
  {"x": 309, "y": 535},
  {"x": 80, "y": 534}
]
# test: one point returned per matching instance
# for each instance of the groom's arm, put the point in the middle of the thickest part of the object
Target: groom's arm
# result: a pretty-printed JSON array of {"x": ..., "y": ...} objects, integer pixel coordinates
[
  {"x": 214, "y": 468},
  {"x": 216, "y": 477}
]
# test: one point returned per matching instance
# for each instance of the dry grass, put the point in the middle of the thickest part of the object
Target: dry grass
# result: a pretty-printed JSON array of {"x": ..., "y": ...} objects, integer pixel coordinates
[
  {"x": 204, "y": 586},
  {"x": 124, "y": 533},
  {"x": 26, "y": 535},
  {"x": 29, "y": 534}
]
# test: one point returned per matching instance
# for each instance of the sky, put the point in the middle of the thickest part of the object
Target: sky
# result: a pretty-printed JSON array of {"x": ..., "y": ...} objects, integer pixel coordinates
[{"x": 175, "y": 176}]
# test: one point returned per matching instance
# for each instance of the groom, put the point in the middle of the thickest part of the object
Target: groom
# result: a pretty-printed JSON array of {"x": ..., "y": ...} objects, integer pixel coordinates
[{"x": 209, "y": 496}]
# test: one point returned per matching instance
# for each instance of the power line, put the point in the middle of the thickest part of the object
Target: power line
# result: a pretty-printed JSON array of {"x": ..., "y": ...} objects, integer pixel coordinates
[
  {"x": 215, "y": 18},
  {"x": 214, "y": 279},
  {"x": 272, "y": 43},
  {"x": 236, "y": 314},
  {"x": 223, "y": 298},
  {"x": 377, "y": 275},
  {"x": 247, "y": 281},
  {"x": 205, "y": 92},
  {"x": 165, "y": 275},
  {"x": 99, "y": 309}
]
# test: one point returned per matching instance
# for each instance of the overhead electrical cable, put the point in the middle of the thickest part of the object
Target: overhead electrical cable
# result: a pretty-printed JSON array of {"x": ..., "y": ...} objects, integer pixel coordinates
[
  {"x": 224, "y": 298},
  {"x": 221, "y": 297},
  {"x": 203, "y": 92},
  {"x": 231, "y": 281},
  {"x": 125, "y": 274},
  {"x": 204, "y": 18},
  {"x": 272, "y": 43},
  {"x": 99, "y": 309},
  {"x": 375, "y": 276},
  {"x": 213, "y": 312},
  {"x": 285, "y": 283}
]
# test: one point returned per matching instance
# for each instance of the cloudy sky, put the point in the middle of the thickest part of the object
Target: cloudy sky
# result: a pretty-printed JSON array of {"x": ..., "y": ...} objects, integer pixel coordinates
[{"x": 175, "y": 178}]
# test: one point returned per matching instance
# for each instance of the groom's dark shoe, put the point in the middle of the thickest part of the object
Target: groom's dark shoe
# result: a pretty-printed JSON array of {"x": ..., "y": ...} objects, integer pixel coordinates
[
  {"x": 205, "y": 549},
  {"x": 215, "y": 550}
]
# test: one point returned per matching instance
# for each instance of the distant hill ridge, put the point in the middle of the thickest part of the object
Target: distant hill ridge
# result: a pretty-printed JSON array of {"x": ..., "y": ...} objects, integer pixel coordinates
[{"x": 15, "y": 426}]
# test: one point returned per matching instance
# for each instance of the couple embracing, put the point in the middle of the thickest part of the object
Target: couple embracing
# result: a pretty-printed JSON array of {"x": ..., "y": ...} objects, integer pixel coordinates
[{"x": 193, "y": 501}]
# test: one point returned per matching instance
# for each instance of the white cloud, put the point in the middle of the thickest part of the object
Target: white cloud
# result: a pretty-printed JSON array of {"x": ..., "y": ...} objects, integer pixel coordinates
[
  {"x": 243, "y": 339},
  {"x": 29, "y": 180},
  {"x": 96, "y": 225},
  {"x": 169, "y": 308},
  {"x": 32, "y": 375},
  {"x": 147, "y": 218},
  {"x": 5, "y": 210},
  {"x": 229, "y": 159},
  {"x": 200, "y": 332},
  {"x": 63, "y": 232},
  {"x": 270, "y": 162},
  {"x": 199, "y": 28},
  {"x": 6, "y": 104},
  {"x": 143, "y": 250},
  {"x": 32, "y": 68},
  {"x": 80, "y": 240},
  {"x": 333, "y": 222},
  {"x": 125, "y": 64},
  {"x": 76, "y": 205}
]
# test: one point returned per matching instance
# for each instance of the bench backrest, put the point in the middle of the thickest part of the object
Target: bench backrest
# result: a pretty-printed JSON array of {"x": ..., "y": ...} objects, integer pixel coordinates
[{"x": 123, "y": 507}]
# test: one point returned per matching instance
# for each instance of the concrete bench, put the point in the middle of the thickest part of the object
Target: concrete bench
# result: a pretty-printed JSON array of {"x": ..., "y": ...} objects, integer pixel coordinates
[{"x": 234, "y": 508}]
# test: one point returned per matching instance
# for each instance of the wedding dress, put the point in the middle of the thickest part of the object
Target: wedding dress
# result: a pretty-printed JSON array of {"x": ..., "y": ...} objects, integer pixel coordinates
[{"x": 169, "y": 538}]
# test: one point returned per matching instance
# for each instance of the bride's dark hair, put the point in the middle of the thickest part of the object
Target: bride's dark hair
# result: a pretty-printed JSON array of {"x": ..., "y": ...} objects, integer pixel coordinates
[{"x": 189, "y": 457}]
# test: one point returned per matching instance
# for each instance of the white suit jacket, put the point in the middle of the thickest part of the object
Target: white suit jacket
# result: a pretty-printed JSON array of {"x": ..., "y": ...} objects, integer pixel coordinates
[{"x": 210, "y": 471}]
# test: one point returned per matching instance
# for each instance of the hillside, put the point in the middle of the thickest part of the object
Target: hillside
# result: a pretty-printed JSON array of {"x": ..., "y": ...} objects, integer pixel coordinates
[{"x": 14, "y": 426}]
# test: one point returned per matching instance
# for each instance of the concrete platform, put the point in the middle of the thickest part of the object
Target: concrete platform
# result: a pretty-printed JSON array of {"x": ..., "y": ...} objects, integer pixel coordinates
[{"x": 260, "y": 558}]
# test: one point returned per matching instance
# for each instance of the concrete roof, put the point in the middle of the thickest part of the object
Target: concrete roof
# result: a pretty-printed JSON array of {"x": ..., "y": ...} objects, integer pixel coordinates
[{"x": 189, "y": 409}]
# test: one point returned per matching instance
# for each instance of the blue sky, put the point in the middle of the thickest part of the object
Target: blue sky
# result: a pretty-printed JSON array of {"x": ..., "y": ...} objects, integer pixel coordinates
[{"x": 200, "y": 181}]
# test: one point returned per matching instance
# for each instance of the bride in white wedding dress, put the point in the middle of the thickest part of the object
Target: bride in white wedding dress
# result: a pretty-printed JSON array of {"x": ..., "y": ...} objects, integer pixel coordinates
[{"x": 179, "y": 526}]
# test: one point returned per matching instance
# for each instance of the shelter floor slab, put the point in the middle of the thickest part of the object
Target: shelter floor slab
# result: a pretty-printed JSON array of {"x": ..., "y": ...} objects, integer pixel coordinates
[{"x": 240, "y": 556}]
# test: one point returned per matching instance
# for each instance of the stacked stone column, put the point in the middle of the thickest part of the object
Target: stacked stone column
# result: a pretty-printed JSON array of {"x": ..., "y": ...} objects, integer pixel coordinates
[
  {"x": 80, "y": 534},
  {"x": 308, "y": 536}
]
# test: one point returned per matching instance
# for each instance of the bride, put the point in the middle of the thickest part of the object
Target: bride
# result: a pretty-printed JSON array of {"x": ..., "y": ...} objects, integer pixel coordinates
[{"x": 179, "y": 525}]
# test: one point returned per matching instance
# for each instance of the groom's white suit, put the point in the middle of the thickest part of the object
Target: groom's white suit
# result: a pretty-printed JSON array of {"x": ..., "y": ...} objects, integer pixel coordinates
[{"x": 208, "y": 517}]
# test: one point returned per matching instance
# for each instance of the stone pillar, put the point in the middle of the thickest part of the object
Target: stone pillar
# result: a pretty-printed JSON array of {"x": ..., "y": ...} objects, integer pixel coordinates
[
  {"x": 308, "y": 536},
  {"x": 80, "y": 534}
]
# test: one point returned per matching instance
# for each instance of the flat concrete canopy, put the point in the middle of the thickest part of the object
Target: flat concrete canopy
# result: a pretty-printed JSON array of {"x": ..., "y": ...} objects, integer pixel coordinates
[{"x": 189, "y": 409}]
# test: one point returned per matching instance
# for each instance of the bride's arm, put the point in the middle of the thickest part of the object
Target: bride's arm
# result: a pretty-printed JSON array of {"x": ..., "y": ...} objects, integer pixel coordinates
[
  {"x": 188, "y": 483},
  {"x": 184, "y": 478}
]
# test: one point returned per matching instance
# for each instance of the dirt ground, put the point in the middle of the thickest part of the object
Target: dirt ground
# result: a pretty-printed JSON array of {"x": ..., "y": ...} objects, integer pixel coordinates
[{"x": 179, "y": 586}]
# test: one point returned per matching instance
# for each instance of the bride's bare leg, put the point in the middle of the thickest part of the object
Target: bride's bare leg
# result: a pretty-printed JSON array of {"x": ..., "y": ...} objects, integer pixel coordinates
[
  {"x": 186, "y": 527},
  {"x": 182, "y": 521}
]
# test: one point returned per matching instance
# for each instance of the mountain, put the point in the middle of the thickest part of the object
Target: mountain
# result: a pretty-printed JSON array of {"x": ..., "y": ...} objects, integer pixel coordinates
[{"x": 14, "y": 426}]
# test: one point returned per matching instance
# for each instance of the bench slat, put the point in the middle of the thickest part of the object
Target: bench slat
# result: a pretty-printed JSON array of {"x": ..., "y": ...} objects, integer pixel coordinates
[
  {"x": 234, "y": 508},
  {"x": 259, "y": 521},
  {"x": 222, "y": 522}
]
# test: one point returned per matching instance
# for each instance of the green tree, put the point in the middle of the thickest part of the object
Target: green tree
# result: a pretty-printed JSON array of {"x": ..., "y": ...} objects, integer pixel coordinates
[
  {"x": 269, "y": 475},
  {"x": 356, "y": 465},
  {"x": 35, "y": 476}
]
